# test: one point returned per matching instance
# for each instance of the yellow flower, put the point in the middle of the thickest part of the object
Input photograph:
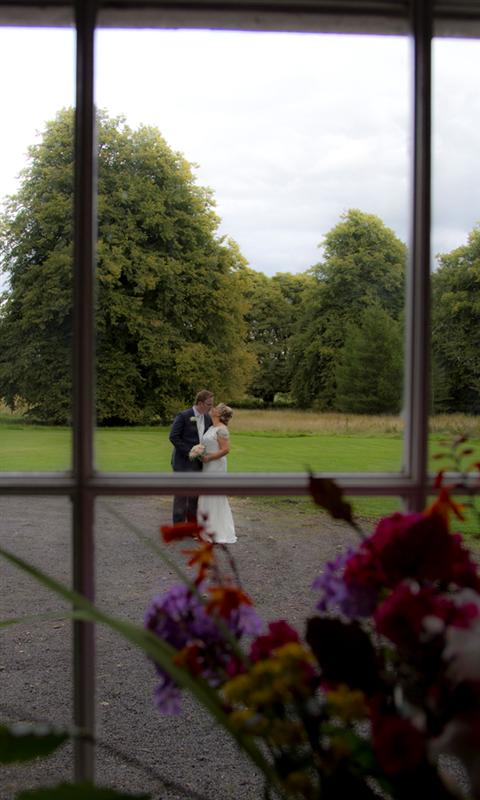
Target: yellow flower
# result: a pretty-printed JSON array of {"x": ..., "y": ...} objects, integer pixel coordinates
[
  {"x": 264, "y": 696},
  {"x": 237, "y": 689},
  {"x": 286, "y": 732},
  {"x": 348, "y": 704},
  {"x": 249, "y": 721},
  {"x": 286, "y": 674},
  {"x": 298, "y": 783}
]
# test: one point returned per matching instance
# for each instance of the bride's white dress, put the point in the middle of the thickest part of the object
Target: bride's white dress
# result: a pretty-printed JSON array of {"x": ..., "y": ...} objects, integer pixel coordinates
[{"x": 214, "y": 510}]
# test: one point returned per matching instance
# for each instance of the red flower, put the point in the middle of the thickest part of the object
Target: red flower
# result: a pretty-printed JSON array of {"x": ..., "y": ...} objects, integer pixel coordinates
[
  {"x": 280, "y": 632},
  {"x": 180, "y": 530},
  {"x": 398, "y": 746},
  {"x": 234, "y": 667},
  {"x": 365, "y": 570}
]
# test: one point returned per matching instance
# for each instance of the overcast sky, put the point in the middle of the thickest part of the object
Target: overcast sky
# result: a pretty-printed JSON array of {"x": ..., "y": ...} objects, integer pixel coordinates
[{"x": 289, "y": 130}]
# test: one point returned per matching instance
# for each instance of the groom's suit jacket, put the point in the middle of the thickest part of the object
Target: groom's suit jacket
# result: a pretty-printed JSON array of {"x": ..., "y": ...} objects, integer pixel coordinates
[{"x": 183, "y": 436}]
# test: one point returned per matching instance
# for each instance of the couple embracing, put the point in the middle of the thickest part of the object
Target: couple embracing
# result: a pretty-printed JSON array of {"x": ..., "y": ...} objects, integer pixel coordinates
[{"x": 201, "y": 441}]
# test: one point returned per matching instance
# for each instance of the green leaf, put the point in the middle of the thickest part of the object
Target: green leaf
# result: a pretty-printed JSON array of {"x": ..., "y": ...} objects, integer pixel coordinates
[
  {"x": 26, "y": 741},
  {"x": 78, "y": 791},
  {"x": 160, "y": 652},
  {"x": 329, "y": 496},
  {"x": 52, "y": 617}
]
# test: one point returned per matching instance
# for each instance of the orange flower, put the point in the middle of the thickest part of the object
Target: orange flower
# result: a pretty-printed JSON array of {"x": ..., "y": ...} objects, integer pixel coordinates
[
  {"x": 180, "y": 530},
  {"x": 202, "y": 557},
  {"x": 188, "y": 657},
  {"x": 439, "y": 479},
  {"x": 444, "y": 505},
  {"x": 226, "y": 599}
]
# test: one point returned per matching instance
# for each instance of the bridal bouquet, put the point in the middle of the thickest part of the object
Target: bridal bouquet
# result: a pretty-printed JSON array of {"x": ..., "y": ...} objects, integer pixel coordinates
[
  {"x": 383, "y": 680},
  {"x": 196, "y": 452}
]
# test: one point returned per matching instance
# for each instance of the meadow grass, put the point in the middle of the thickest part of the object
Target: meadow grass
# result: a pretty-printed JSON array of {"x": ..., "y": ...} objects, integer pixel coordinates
[{"x": 262, "y": 441}]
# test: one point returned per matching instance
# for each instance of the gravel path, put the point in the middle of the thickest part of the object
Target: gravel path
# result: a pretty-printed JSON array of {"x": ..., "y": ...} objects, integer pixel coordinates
[{"x": 278, "y": 554}]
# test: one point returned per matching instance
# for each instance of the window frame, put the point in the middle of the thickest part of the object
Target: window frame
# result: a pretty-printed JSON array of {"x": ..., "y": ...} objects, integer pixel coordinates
[{"x": 83, "y": 484}]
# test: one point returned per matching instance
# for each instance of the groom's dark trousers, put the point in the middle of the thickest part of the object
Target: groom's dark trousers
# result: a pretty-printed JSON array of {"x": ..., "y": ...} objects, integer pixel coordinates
[{"x": 183, "y": 436}]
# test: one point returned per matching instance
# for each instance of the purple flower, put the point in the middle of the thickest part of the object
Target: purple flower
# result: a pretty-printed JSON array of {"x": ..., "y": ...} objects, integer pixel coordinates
[
  {"x": 168, "y": 697},
  {"x": 244, "y": 621},
  {"x": 352, "y": 600},
  {"x": 180, "y": 618}
]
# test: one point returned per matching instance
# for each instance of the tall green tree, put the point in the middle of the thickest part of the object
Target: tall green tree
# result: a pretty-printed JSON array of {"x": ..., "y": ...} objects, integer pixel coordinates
[
  {"x": 456, "y": 329},
  {"x": 369, "y": 371},
  {"x": 363, "y": 265},
  {"x": 170, "y": 316},
  {"x": 273, "y": 304}
]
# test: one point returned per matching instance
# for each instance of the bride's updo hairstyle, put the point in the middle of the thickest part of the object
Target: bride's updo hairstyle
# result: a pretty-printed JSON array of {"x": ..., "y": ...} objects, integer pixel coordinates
[{"x": 224, "y": 412}]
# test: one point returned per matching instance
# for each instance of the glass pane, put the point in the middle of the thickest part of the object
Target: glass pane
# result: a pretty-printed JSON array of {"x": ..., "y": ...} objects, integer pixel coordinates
[
  {"x": 455, "y": 247},
  {"x": 36, "y": 666},
  {"x": 215, "y": 195},
  {"x": 282, "y": 546},
  {"x": 36, "y": 178}
]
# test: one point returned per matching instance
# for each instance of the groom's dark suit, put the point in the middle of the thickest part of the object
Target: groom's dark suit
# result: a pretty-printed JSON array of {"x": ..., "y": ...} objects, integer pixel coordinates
[{"x": 183, "y": 436}]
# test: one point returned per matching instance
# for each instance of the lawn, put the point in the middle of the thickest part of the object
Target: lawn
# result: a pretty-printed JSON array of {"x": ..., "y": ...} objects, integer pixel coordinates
[
  {"x": 149, "y": 450},
  {"x": 262, "y": 441}
]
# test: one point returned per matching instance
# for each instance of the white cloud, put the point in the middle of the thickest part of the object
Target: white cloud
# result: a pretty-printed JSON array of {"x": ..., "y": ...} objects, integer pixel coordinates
[{"x": 288, "y": 130}]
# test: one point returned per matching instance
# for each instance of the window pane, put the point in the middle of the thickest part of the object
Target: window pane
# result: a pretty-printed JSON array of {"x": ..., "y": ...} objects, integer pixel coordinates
[
  {"x": 36, "y": 655},
  {"x": 216, "y": 189},
  {"x": 36, "y": 178},
  {"x": 456, "y": 238}
]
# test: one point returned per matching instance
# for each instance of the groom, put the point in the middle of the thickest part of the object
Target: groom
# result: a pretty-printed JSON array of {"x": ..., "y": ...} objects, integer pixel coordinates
[{"x": 187, "y": 430}]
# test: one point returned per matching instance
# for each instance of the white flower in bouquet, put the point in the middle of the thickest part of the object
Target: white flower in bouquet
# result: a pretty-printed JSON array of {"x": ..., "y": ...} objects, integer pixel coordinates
[{"x": 197, "y": 451}]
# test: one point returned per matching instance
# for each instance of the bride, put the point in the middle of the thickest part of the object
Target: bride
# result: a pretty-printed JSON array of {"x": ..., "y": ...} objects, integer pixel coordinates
[{"x": 214, "y": 510}]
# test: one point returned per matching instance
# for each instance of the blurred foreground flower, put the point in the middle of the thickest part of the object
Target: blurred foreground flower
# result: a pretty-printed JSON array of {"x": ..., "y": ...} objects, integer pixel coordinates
[{"x": 385, "y": 679}]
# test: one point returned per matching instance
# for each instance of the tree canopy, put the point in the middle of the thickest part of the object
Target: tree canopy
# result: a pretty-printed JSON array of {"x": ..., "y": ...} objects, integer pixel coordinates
[
  {"x": 170, "y": 315},
  {"x": 272, "y": 311},
  {"x": 369, "y": 370},
  {"x": 363, "y": 265},
  {"x": 456, "y": 329},
  {"x": 179, "y": 308}
]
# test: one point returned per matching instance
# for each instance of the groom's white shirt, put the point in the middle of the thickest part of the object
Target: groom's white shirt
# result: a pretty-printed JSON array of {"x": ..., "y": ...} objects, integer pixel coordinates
[{"x": 200, "y": 423}]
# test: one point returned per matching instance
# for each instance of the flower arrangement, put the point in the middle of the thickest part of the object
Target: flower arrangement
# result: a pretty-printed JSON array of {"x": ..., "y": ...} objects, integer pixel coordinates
[
  {"x": 196, "y": 452},
  {"x": 384, "y": 680}
]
